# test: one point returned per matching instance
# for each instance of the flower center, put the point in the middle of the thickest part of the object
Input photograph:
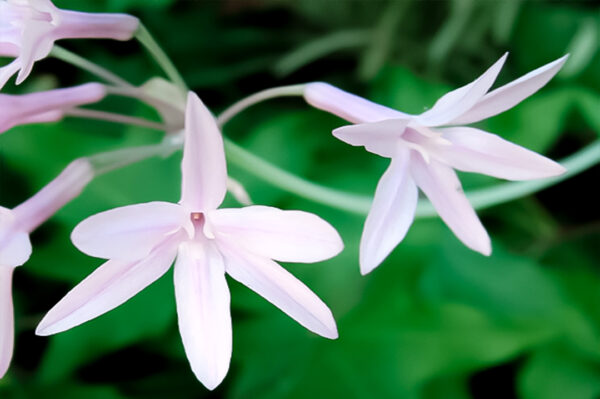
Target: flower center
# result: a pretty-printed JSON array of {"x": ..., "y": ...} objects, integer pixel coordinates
[
  {"x": 420, "y": 139},
  {"x": 201, "y": 228}
]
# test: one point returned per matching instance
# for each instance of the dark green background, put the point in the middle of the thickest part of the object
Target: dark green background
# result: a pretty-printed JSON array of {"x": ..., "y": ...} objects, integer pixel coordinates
[{"x": 435, "y": 320}]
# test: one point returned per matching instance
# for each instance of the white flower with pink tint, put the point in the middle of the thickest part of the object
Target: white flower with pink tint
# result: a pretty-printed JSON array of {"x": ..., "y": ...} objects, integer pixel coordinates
[
  {"x": 45, "y": 106},
  {"x": 15, "y": 247},
  {"x": 424, "y": 154},
  {"x": 142, "y": 241},
  {"x": 29, "y": 28}
]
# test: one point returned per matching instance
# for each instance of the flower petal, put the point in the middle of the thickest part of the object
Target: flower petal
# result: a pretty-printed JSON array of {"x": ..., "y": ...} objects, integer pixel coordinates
[
  {"x": 442, "y": 187},
  {"x": 129, "y": 232},
  {"x": 47, "y": 105},
  {"x": 203, "y": 311},
  {"x": 347, "y": 106},
  {"x": 204, "y": 172},
  {"x": 380, "y": 138},
  {"x": 457, "y": 102},
  {"x": 15, "y": 247},
  {"x": 75, "y": 24},
  {"x": 474, "y": 150},
  {"x": 7, "y": 326},
  {"x": 391, "y": 214},
  {"x": 37, "y": 44},
  {"x": 109, "y": 286},
  {"x": 282, "y": 289},
  {"x": 289, "y": 236},
  {"x": 509, "y": 95},
  {"x": 8, "y": 70}
]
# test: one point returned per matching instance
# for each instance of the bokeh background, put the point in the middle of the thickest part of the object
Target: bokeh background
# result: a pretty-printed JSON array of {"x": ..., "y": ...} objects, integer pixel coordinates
[{"x": 435, "y": 321}]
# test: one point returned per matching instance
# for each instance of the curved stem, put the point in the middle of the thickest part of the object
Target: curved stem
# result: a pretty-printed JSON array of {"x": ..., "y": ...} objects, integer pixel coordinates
[
  {"x": 95, "y": 69},
  {"x": 161, "y": 58},
  {"x": 360, "y": 204},
  {"x": 319, "y": 48},
  {"x": 484, "y": 198},
  {"x": 283, "y": 91},
  {"x": 295, "y": 184},
  {"x": 117, "y": 118}
]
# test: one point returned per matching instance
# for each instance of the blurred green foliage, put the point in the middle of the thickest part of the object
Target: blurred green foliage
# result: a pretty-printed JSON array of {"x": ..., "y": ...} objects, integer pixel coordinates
[{"x": 435, "y": 321}]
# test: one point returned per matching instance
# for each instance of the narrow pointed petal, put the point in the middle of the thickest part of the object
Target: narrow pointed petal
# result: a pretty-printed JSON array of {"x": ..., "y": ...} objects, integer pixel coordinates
[
  {"x": 474, "y": 150},
  {"x": 109, "y": 286},
  {"x": 7, "y": 325},
  {"x": 380, "y": 138},
  {"x": 511, "y": 94},
  {"x": 442, "y": 187},
  {"x": 391, "y": 214},
  {"x": 457, "y": 102},
  {"x": 204, "y": 172},
  {"x": 129, "y": 232},
  {"x": 15, "y": 247},
  {"x": 288, "y": 236},
  {"x": 347, "y": 106},
  {"x": 203, "y": 309},
  {"x": 7, "y": 71},
  {"x": 282, "y": 289}
]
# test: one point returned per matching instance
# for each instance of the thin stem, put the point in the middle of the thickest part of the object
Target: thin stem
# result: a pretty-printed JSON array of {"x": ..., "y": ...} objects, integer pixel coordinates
[
  {"x": 283, "y": 91},
  {"x": 501, "y": 193},
  {"x": 161, "y": 58},
  {"x": 111, "y": 160},
  {"x": 295, "y": 184},
  {"x": 360, "y": 204},
  {"x": 95, "y": 69},
  {"x": 319, "y": 48},
  {"x": 117, "y": 118}
]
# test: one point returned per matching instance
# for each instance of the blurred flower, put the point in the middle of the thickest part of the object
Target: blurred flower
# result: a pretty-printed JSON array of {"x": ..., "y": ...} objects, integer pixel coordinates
[
  {"x": 424, "y": 155},
  {"x": 142, "y": 241},
  {"x": 15, "y": 247},
  {"x": 45, "y": 106},
  {"x": 29, "y": 28}
]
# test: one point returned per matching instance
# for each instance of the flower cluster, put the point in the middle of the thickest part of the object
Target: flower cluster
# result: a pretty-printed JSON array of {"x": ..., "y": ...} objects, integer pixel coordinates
[{"x": 204, "y": 242}]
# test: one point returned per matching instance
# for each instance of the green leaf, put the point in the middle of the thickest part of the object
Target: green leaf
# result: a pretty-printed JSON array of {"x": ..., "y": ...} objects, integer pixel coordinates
[{"x": 554, "y": 373}]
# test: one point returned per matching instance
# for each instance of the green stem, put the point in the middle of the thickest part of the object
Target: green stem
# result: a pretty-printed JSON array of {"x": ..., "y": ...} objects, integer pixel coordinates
[
  {"x": 161, "y": 58},
  {"x": 360, "y": 204},
  {"x": 111, "y": 160},
  {"x": 295, "y": 184},
  {"x": 95, "y": 69},
  {"x": 283, "y": 91},
  {"x": 117, "y": 118},
  {"x": 505, "y": 192},
  {"x": 320, "y": 48}
]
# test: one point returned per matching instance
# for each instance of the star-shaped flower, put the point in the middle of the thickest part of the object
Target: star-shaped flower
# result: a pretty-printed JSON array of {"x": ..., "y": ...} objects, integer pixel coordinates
[
  {"x": 45, "y": 106},
  {"x": 424, "y": 154},
  {"x": 142, "y": 241},
  {"x": 29, "y": 28}
]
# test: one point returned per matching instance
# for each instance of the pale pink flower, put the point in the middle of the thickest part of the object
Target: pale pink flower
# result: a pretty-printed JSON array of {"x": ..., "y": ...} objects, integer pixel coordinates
[
  {"x": 142, "y": 241},
  {"x": 15, "y": 247},
  {"x": 45, "y": 106},
  {"x": 423, "y": 155},
  {"x": 29, "y": 28}
]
